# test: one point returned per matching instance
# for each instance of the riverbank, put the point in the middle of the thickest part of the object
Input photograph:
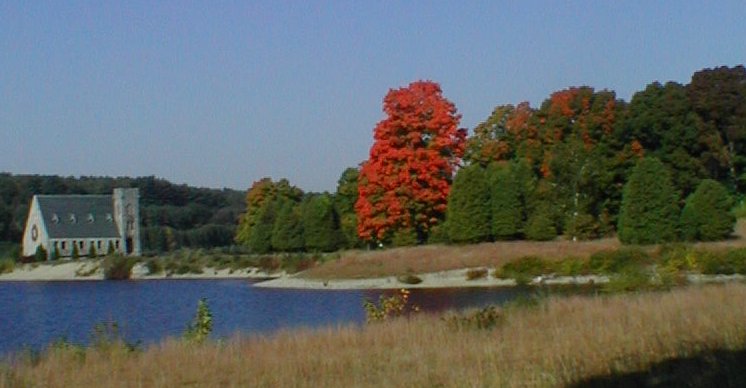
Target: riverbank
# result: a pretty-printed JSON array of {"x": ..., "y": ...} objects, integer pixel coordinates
[
  {"x": 91, "y": 270},
  {"x": 693, "y": 335}
]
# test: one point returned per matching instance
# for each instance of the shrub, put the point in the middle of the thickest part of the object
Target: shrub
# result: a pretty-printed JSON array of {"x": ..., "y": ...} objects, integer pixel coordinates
[
  {"x": 476, "y": 273},
  {"x": 7, "y": 265},
  {"x": 409, "y": 279},
  {"x": 41, "y": 253},
  {"x": 485, "y": 318},
  {"x": 737, "y": 259},
  {"x": 76, "y": 253},
  {"x": 154, "y": 266},
  {"x": 616, "y": 261},
  {"x": 630, "y": 279},
  {"x": 201, "y": 326},
  {"x": 715, "y": 263},
  {"x": 92, "y": 251},
  {"x": 118, "y": 268},
  {"x": 572, "y": 266},
  {"x": 707, "y": 214},
  {"x": 389, "y": 306},
  {"x": 269, "y": 263},
  {"x": 524, "y": 269},
  {"x": 649, "y": 212}
]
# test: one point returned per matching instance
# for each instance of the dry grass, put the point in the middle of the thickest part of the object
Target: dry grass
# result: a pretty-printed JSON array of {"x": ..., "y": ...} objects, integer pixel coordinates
[
  {"x": 434, "y": 258},
  {"x": 560, "y": 342}
]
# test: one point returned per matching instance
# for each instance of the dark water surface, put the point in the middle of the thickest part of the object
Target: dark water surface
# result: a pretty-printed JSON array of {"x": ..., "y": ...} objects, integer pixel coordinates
[{"x": 33, "y": 314}]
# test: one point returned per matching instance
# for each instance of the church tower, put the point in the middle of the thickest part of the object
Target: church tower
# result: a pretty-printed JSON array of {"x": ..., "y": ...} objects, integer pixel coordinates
[{"x": 127, "y": 216}]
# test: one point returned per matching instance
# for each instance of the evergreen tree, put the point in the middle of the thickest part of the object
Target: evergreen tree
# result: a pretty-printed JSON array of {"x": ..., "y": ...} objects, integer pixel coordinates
[
  {"x": 287, "y": 233},
  {"x": 468, "y": 214},
  {"x": 539, "y": 226},
  {"x": 76, "y": 252},
  {"x": 507, "y": 210},
  {"x": 92, "y": 251},
  {"x": 707, "y": 214},
  {"x": 649, "y": 212}
]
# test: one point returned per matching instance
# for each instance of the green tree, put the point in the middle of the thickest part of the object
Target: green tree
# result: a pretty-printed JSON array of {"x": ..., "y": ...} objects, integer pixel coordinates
[
  {"x": 76, "y": 253},
  {"x": 719, "y": 97},
  {"x": 540, "y": 226},
  {"x": 91, "y": 251},
  {"x": 468, "y": 214},
  {"x": 287, "y": 233},
  {"x": 344, "y": 202},
  {"x": 320, "y": 223},
  {"x": 707, "y": 214},
  {"x": 650, "y": 211},
  {"x": 260, "y": 239},
  {"x": 258, "y": 198},
  {"x": 507, "y": 211}
]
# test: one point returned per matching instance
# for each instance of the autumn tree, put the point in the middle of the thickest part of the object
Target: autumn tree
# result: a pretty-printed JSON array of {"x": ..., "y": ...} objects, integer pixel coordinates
[
  {"x": 404, "y": 185},
  {"x": 261, "y": 194}
]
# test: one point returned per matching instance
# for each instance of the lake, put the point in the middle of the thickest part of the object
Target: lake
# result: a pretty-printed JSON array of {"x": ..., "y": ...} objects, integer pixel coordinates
[{"x": 33, "y": 314}]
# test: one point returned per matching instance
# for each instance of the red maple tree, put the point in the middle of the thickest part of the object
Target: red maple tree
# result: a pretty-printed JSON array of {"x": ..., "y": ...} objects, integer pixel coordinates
[{"x": 404, "y": 184}]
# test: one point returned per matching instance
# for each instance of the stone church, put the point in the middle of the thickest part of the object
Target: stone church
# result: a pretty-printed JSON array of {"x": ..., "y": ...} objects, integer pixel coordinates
[{"x": 84, "y": 223}]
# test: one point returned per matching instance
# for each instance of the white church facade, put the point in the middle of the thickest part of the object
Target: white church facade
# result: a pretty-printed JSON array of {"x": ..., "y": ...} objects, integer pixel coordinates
[{"x": 66, "y": 225}]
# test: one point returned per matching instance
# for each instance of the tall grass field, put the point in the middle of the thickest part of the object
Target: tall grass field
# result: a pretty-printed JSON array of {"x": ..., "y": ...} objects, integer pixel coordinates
[{"x": 689, "y": 336}]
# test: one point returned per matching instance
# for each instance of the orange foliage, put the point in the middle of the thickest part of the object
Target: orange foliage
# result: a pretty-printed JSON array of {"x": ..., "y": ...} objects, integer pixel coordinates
[{"x": 405, "y": 182}]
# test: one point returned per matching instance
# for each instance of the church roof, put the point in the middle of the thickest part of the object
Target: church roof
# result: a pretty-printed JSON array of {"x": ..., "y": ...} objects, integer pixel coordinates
[{"x": 78, "y": 216}]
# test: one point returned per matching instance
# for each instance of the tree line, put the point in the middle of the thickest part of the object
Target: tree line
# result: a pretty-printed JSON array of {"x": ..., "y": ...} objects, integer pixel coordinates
[
  {"x": 585, "y": 164},
  {"x": 172, "y": 216}
]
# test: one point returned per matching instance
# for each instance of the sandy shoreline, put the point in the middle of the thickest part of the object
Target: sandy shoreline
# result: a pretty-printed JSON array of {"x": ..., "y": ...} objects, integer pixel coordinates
[{"x": 91, "y": 271}]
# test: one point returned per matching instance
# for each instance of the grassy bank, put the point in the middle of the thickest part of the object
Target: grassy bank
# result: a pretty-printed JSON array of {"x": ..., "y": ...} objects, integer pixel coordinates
[
  {"x": 556, "y": 342},
  {"x": 434, "y": 258}
]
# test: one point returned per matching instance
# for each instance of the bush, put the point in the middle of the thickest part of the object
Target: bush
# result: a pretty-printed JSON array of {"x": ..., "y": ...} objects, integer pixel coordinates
[
  {"x": 572, "y": 266},
  {"x": 485, "y": 318},
  {"x": 409, "y": 279},
  {"x": 41, "y": 254},
  {"x": 476, "y": 273},
  {"x": 7, "y": 265},
  {"x": 118, "y": 268},
  {"x": 524, "y": 269},
  {"x": 389, "y": 306},
  {"x": 617, "y": 261},
  {"x": 707, "y": 214},
  {"x": 154, "y": 266},
  {"x": 649, "y": 212}
]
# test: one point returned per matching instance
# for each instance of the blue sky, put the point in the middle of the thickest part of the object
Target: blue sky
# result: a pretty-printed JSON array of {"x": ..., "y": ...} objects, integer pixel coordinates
[{"x": 221, "y": 93}]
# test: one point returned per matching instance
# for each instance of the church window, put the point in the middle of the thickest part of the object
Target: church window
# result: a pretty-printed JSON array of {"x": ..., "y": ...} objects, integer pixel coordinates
[
  {"x": 63, "y": 244},
  {"x": 81, "y": 244},
  {"x": 98, "y": 245},
  {"x": 117, "y": 244}
]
